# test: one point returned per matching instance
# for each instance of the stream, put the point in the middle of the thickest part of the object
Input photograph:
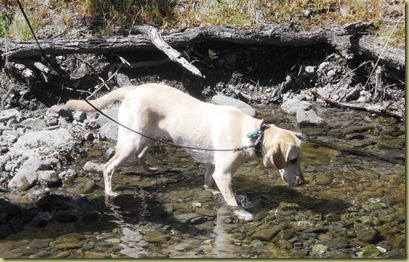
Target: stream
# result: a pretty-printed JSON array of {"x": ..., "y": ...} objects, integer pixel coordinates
[{"x": 352, "y": 206}]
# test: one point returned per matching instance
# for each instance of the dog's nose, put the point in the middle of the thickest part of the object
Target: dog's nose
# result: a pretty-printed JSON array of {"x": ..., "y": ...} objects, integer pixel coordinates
[{"x": 299, "y": 180}]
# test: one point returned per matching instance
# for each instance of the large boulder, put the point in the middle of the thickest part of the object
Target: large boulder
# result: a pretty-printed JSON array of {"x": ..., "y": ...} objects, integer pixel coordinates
[{"x": 229, "y": 101}]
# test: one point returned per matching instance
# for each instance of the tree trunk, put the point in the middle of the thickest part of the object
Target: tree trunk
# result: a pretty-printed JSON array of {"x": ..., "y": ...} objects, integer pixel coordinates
[{"x": 349, "y": 40}]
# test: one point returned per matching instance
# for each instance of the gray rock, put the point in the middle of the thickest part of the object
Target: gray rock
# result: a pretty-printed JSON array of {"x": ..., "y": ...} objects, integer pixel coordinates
[
  {"x": 109, "y": 129},
  {"x": 30, "y": 148},
  {"x": 33, "y": 123},
  {"x": 47, "y": 177},
  {"x": 44, "y": 142},
  {"x": 34, "y": 164},
  {"x": 23, "y": 180},
  {"x": 305, "y": 118},
  {"x": 93, "y": 167},
  {"x": 68, "y": 175},
  {"x": 6, "y": 115},
  {"x": 79, "y": 116},
  {"x": 224, "y": 100},
  {"x": 365, "y": 232},
  {"x": 292, "y": 106}
]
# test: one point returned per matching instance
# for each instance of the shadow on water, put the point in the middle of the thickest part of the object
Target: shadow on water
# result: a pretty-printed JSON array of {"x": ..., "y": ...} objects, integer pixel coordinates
[{"x": 269, "y": 198}]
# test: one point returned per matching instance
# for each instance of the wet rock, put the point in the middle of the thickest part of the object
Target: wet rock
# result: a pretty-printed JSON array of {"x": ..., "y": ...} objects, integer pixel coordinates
[
  {"x": 322, "y": 178},
  {"x": 266, "y": 234},
  {"x": 366, "y": 233},
  {"x": 66, "y": 245},
  {"x": 299, "y": 252},
  {"x": 369, "y": 251},
  {"x": 190, "y": 218},
  {"x": 91, "y": 217},
  {"x": 155, "y": 237},
  {"x": 257, "y": 243},
  {"x": 338, "y": 254},
  {"x": 42, "y": 219},
  {"x": 187, "y": 245},
  {"x": 40, "y": 243},
  {"x": 338, "y": 243},
  {"x": 82, "y": 201},
  {"x": 224, "y": 100},
  {"x": 399, "y": 254},
  {"x": 65, "y": 217},
  {"x": 319, "y": 250},
  {"x": 53, "y": 203}
]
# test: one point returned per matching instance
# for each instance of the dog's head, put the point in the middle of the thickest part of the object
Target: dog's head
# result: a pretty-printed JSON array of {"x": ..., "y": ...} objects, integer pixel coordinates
[{"x": 282, "y": 149}]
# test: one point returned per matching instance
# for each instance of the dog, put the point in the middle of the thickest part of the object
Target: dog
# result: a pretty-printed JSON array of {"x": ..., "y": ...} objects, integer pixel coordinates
[{"x": 157, "y": 111}]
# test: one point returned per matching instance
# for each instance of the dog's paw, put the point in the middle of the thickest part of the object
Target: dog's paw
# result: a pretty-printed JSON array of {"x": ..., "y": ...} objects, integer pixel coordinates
[
  {"x": 211, "y": 190},
  {"x": 110, "y": 195},
  {"x": 243, "y": 215}
]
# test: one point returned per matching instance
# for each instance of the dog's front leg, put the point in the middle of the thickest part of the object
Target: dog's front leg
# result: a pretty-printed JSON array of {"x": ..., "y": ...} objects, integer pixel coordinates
[{"x": 223, "y": 182}]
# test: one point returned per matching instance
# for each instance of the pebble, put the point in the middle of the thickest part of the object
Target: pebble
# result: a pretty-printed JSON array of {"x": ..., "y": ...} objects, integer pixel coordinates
[
  {"x": 155, "y": 237},
  {"x": 319, "y": 250}
]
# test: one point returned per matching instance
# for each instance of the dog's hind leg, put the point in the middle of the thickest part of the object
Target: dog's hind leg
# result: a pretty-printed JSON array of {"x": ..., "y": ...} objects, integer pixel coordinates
[
  {"x": 123, "y": 152},
  {"x": 209, "y": 181}
]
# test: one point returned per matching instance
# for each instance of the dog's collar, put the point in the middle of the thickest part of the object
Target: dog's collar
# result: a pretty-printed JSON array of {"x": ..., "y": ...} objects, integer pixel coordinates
[{"x": 258, "y": 135}]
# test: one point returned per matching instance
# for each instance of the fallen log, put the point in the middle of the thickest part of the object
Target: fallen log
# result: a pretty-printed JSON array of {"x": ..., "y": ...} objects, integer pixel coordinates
[
  {"x": 372, "y": 108},
  {"x": 349, "y": 40}
]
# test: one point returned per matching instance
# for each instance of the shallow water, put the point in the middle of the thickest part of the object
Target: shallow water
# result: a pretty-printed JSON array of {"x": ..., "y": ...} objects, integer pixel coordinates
[{"x": 352, "y": 206}]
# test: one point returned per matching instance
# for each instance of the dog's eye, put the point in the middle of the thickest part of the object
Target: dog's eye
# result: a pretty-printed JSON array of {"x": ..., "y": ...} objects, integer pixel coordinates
[{"x": 294, "y": 160}]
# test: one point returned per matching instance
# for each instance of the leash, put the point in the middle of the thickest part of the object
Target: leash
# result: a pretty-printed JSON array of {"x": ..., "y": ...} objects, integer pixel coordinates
[{"x": 257, "y": 134}]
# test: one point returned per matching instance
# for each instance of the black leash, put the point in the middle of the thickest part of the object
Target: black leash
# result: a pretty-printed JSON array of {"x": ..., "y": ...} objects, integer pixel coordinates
[{"x": 258, "y": 134}]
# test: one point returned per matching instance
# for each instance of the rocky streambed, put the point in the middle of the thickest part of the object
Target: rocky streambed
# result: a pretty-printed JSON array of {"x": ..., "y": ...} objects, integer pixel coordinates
[{"x": 52, "y": 201}]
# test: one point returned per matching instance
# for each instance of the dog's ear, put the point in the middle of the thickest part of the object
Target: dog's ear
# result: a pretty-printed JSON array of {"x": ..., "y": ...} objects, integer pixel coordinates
[{"x": 279, "y": 156}]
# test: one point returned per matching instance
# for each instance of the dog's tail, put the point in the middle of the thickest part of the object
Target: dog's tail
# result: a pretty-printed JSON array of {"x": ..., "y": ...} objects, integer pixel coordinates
[{"x": 100, "y": 103}]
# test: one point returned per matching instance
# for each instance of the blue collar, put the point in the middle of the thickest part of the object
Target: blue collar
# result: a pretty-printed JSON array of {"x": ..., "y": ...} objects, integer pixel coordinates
[{"x": 258, "y": 135}]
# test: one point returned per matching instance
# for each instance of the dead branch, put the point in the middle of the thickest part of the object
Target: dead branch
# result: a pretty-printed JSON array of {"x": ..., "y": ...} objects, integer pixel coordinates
[
  {"x": 173, "y": 54},
  {"x": 376, "y": 109}
]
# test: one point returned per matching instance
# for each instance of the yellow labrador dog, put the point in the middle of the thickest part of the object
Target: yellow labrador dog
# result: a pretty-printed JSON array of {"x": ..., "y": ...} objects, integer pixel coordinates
[{"x": 157, "y": 110}]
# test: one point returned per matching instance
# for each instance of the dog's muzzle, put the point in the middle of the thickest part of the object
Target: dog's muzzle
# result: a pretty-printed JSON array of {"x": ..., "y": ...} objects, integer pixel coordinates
[
  {"x": 300, "y": 181},
  {"x": 297, "y": 181}
]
